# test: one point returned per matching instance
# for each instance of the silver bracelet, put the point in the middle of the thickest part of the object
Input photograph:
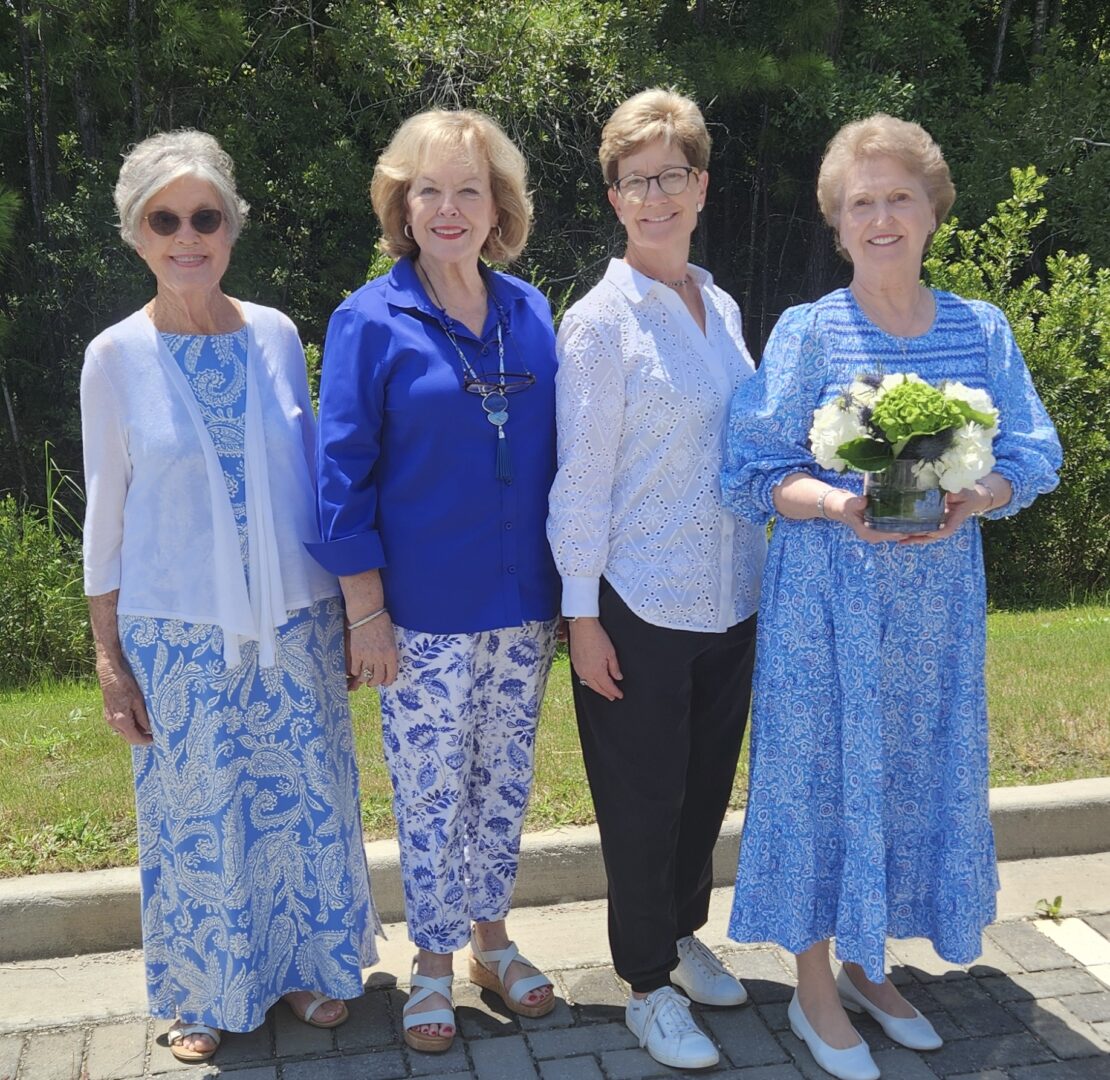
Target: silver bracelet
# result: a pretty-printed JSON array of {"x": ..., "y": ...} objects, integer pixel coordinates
[
  {"x": 821, "y": 503},
  {"x": 990, "y": 491},
  {"x": 365, "y": 619}
]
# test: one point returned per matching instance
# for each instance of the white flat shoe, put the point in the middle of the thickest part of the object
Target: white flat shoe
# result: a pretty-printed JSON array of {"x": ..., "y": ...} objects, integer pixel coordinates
[
  {"x": 666, "y": 1030},
  {"x": 914, "y": 1031},
  {"x": 853, "y": 1063},
  {"x": 704, "y": 978}
]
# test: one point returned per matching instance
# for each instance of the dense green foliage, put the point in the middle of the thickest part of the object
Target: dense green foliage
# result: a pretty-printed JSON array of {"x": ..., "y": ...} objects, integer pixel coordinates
[
  {"x": 304, "y": 97},
  {"x": 1062, "y": 324},
  {"x": 44, "y": 631}
]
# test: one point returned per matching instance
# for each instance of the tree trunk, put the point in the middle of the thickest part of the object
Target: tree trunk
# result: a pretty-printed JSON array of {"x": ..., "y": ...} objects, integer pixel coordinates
[
  {"x": 1040, "y": 21},
  {"x": 1000, "y": 43},
  {"x": 29, "y": 123},
  {"x": 15, "y": 436},
  {"x": 44, "y": 117},
  {"x": 136, "y": 79},
  {"x": 832, "y": 42},
  {"x": 86, "y": 120}
]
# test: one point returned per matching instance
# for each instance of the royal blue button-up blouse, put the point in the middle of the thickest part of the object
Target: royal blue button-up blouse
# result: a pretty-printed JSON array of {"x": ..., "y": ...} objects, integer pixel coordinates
[{"x": 407, "y": 459}]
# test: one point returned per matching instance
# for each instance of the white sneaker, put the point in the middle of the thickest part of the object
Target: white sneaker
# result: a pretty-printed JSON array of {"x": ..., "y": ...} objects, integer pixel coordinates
[
  {"x": 665, "y": 1028},
  {"x": 704, "y": 978}
]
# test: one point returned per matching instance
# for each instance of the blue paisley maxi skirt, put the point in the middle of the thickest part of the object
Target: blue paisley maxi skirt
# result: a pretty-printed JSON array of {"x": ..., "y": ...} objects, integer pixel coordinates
[{"x": 253, "y": 874}]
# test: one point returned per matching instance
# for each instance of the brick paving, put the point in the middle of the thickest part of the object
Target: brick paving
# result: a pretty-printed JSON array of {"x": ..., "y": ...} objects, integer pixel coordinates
[{"x": 1028, "y": 1010}]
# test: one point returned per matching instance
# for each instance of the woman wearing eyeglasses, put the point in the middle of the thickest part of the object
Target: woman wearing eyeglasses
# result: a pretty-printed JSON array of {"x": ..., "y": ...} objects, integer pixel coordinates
[
  {"x": 436, "y": 453},
  {"x": 219, "y": 640},
  {"x": 659, "y": 582}
]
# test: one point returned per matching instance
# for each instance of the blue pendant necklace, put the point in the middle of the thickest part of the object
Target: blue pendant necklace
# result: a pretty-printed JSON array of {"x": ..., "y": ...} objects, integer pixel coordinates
[{"x": 493, "y": 392}]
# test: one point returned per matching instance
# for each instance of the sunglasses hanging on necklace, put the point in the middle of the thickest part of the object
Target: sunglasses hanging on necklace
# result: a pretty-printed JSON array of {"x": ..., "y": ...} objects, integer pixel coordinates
[{"x": 494, "y": 392}]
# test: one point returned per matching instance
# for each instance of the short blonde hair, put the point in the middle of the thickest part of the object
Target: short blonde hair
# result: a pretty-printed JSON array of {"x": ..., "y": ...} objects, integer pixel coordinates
[
  {"x": 882, "y": 136},
  {"x": 445, "y": 131},
  {"x": 648, "y": 116},
  {"x": 160, "y": 160}
]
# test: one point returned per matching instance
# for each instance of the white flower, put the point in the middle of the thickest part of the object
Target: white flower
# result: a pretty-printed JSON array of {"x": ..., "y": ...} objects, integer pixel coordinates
[
  {"x": 979, "y": 400},
  {"x": 833, "y": 425},
  {"x": 967, "y": 460}
]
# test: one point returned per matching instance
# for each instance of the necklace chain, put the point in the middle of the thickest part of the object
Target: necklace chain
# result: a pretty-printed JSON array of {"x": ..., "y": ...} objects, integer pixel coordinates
[{"x": 495, "y": 401}]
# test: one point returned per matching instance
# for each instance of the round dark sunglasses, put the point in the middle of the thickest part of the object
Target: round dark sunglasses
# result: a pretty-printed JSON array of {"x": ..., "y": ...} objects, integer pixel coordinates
[{"x": 166, "y": 222}]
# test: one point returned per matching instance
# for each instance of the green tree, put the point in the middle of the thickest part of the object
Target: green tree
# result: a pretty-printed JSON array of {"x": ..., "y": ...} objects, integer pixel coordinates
[{"x": 1062, "y": 326}]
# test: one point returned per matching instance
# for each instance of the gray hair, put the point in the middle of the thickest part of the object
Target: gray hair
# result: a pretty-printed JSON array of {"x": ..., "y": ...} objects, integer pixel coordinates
[{"x": 160, "y": 160}]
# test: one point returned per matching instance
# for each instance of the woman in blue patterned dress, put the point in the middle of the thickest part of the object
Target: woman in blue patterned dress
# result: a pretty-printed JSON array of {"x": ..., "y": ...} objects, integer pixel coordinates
[
  {"x": 436, "y": 453},
  {"x": 867, "y": 815},
  {"x": 219, "y": 641}
]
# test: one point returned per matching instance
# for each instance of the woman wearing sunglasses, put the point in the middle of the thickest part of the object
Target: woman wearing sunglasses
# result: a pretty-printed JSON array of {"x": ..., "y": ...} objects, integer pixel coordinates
[
  {"x": 436, "y": 453},
  {"x": 219, "y": 640},
  {"x": 659, "y": 582}
]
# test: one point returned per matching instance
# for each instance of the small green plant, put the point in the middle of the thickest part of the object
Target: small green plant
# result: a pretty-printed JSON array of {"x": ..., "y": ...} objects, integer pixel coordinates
[
  {"x": 44, "y": 631},
  {"x": 1050, "y": 909}
]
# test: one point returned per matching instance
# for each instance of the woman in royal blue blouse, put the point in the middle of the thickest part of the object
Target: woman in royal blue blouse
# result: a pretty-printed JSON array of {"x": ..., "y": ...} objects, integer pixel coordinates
[{"x": 436, "y": 452}]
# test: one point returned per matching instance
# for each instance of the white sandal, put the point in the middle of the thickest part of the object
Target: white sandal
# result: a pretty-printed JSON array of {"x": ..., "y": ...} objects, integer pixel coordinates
[
  {"x": 183, "y": 1053},
  {"x": 318, "y": 999},
  {"x": 422, "y": 987},
  {"x": 481, "y": 973}
]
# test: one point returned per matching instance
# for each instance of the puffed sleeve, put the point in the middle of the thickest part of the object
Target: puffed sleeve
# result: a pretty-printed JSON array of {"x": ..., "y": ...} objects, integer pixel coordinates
[
  {"x": 768, "y": 429},
  {"x": 1027, "y": 451},
  {"x": 107, "y": 477},
  {"x": 589, "y": 407},
  {"x": 348, "y": 442}
]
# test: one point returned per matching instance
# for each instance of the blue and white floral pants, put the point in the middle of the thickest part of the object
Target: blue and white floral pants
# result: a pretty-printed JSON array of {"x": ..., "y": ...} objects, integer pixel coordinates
[{"x": 459, "y": 731}]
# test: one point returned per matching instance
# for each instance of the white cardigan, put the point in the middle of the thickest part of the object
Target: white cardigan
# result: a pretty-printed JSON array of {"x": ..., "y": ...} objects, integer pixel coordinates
[{"x": 158, "y": 522}]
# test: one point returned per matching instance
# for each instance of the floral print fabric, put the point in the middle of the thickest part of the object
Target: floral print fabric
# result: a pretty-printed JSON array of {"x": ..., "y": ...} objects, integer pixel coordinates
[
  {"x": 867, "y": 813},
  {"x": 253, "y": 874},
  {"x": 459, "y": 731}
]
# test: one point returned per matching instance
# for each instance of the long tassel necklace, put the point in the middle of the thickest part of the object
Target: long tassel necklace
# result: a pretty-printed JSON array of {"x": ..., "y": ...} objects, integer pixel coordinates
[{"x": 495, "y": 402}]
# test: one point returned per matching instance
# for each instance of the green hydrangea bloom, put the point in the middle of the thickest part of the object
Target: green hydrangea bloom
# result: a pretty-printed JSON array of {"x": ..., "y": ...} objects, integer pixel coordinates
[{"x": 914, "y": 408}]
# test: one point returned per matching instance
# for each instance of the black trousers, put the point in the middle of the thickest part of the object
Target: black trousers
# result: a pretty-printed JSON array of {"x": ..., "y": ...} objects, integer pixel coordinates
[{"x": 661, "y": 762}]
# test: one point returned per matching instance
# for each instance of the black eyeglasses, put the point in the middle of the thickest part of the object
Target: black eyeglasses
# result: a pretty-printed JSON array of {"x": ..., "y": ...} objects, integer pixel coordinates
[
  {"x": 166, "y": 222},
  {"x": 672, "y": 181},
  {"x": 507, "y": 382}
]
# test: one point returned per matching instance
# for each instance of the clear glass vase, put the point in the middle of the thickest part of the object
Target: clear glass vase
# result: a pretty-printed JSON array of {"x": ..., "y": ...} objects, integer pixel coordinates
[{"x": 896, "y": 504}]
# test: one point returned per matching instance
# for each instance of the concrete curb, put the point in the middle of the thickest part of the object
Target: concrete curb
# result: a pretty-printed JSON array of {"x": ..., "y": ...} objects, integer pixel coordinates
[{"x": 50, "y": 915}]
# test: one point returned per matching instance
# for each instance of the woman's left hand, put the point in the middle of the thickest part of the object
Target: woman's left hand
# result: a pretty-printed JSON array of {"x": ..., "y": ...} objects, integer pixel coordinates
[
  {"x": 958, "y": 507},
  {"x": 372, "y": 654}
]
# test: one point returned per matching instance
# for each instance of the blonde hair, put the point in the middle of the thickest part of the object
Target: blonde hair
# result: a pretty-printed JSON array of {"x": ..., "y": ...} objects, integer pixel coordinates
[
  {"x": 160, "y": 160},
  {"x": 882, "y": 136},
  {"x": 648, "y": 116},
  {"x": 444, "y": 131}
]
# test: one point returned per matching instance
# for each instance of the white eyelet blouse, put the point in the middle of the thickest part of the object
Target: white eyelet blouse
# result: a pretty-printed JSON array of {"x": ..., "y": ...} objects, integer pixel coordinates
[{"x": 642, "y": 403}]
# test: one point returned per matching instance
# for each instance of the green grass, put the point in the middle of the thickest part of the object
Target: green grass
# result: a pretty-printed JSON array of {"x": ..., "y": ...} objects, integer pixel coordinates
[{"x": 66, "y": 798}]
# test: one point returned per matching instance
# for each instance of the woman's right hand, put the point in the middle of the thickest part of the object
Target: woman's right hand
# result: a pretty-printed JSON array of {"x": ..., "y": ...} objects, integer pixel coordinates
[
  {"x": 843, "y": 506},
  {"x": 124, "y": 708},
  {"x": 372, "y": 659},
  {"x": 594, "y": 659}
]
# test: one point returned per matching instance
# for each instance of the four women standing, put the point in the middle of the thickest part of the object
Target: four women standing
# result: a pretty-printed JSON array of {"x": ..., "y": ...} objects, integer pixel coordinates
[{"x": 436, "y": 452}]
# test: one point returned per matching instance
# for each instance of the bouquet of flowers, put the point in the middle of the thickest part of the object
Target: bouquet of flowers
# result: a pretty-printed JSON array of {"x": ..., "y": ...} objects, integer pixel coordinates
[
  {"x": 917, "y": 437},
  {"x": 947, "y": 430}
]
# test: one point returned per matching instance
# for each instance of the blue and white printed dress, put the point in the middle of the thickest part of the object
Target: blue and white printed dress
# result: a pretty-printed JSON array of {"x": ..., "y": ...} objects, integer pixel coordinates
[
  {"x": 254, "y": 878},
  {"x": 867, "y": 814}
]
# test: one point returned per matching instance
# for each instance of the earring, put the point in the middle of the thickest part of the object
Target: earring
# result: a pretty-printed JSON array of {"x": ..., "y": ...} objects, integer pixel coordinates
[
  {"x": 496, "y": 235},
  {"x": 407, "y": 230},
  {"x": 700, "y": 205}
]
